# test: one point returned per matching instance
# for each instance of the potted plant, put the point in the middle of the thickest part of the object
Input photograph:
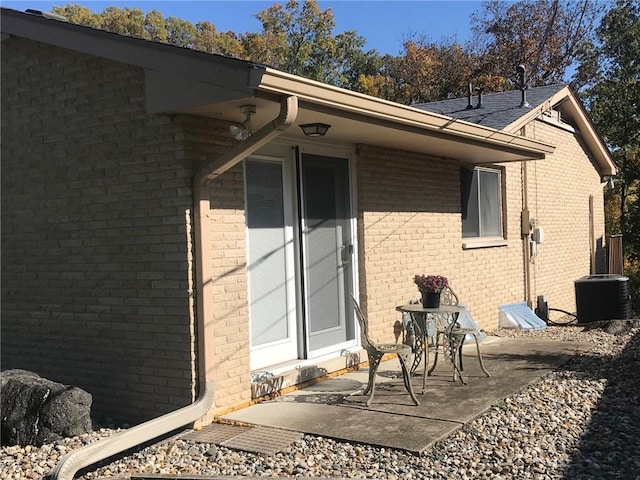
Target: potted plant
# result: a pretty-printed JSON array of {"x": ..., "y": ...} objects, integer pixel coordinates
[{"x": 430, "y": 286}]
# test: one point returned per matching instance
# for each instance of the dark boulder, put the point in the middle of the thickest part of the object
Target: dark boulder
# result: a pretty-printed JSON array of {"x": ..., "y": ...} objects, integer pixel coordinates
[{"x": 36, "y": 411}]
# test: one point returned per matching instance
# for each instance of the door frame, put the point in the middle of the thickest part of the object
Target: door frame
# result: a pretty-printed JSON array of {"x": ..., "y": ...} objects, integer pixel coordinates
[
  {"x": 295, "y": 147},
  {"x": 285, "y": 349}
]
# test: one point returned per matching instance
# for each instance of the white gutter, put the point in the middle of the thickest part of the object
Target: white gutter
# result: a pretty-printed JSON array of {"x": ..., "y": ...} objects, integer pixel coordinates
[
  {"x": 68, "y": 465},
  {"x": 331, "y": 98}
]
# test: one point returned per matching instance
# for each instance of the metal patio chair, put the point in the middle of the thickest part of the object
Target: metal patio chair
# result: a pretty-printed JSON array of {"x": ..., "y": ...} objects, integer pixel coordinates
[
  {"x": 415, "y": 337},
  {"x": 375, "y": 352},
  {"x": 453, "y": 337}
]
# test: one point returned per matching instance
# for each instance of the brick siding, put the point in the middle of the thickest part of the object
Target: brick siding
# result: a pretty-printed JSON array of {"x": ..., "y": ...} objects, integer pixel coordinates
[
  {"x": 96, "y": 231},
  {"x": 559, "y": 192},
  {"x": 410, "y": 222},
  {"x": 95, "y": 286}
]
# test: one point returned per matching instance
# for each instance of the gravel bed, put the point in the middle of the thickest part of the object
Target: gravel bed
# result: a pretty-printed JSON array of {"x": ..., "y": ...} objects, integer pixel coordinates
[{"x": 579, "y": 422}]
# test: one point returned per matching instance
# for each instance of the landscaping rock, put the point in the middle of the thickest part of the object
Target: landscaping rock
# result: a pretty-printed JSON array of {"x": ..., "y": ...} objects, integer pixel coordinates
[{"x": 36, "y": 411}]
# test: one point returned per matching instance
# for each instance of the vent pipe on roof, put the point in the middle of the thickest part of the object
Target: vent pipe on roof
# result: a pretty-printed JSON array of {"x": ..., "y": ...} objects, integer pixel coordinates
[
  {"x": 469, "y": 95},
  {"x": 479, "y": 90},
  {"x": 522, "y": 85}
]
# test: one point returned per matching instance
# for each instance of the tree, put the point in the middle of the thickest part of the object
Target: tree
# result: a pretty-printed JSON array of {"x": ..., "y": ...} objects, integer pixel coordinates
[
  {"x": 79, "y": 15},
  {"x": 297, "y": 38},
  {"x": 350, "y": 61},
  {"x": 546, "y": 36},
  {"x": 208, "y": 39},
  {"x": 125, "y": 21},
  {"x": 423, "y": 72},
  {"x": 615, "y": 100},
  {"x": 614, "y": 103},
  {"x": 155, "y": 27},
  {"x": 385, "y": 81},
  {"x": 181, "y": 32}
]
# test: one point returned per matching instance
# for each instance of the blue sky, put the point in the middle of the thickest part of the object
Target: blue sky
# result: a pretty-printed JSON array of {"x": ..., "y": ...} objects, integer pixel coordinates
[{"x": 383, "y": 23}]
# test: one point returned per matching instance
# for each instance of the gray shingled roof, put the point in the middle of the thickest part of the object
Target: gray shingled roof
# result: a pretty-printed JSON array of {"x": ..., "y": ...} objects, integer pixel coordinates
[{"x": 498, "y": 110}]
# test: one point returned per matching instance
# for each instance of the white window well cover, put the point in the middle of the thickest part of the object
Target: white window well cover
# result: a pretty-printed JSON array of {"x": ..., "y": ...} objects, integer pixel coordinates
[{"x": 519, "y": 315}]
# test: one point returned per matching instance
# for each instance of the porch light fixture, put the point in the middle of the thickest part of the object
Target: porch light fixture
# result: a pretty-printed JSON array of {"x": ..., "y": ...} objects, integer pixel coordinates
[
  {"x": 315, "y": 129},
  {"x": 608, "y": 179},
  {"x": 242, "y": 131}
]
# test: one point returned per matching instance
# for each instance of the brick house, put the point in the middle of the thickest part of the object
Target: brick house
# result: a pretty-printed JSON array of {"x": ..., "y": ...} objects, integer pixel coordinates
[{"x": 152, "y": 259}]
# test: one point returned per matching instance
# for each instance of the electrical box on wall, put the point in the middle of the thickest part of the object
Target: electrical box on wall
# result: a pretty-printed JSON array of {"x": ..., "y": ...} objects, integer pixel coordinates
[{"x": 538, "y": 235}]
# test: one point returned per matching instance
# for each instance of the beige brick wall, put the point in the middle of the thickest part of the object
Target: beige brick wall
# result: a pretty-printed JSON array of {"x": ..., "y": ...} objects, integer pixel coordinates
[
  {"x": 409, "y": 223},
  {"x": 204, "y": 141},
  {"x": 559, "y": 190},
  {"x": 94, "y": 243}
]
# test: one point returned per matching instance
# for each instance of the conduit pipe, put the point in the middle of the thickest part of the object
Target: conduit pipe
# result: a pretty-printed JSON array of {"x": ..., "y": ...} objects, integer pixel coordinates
[
  {"x": 134, "y": 436},
  {"x": 525, "y": 234}
]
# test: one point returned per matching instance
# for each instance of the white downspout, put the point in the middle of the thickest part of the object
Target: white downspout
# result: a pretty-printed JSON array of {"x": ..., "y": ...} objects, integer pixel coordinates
[
  {"x": 204, "y": 269},
  {"x": 68, "y": 465},
  {"x": 592, "y": 229}
]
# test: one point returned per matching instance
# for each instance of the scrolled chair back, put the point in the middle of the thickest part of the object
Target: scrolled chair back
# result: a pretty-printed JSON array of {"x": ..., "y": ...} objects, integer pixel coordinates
[
  {"x": 364, "y": 324},
  {"x": 448, "y": 297}
]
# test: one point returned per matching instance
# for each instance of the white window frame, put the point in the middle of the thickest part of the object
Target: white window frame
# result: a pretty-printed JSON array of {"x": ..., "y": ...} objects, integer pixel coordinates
[{"x": 481, "y": 240}]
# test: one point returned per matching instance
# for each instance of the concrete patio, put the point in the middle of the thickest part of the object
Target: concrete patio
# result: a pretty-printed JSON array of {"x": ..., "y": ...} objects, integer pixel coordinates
[{"x": 335, "y": 408}]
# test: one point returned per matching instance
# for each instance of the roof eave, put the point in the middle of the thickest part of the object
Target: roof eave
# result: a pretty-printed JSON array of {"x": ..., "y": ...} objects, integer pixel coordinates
[
  {"x": 209, "y": 80},
  {"x": 380, "y": 110},
  {"x": 574, "y": 107},
  {"x": 230, "y": 73}
]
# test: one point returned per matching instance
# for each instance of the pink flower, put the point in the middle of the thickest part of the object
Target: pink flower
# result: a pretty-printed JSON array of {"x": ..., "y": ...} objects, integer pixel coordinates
[{"x": 431, "y": 283}]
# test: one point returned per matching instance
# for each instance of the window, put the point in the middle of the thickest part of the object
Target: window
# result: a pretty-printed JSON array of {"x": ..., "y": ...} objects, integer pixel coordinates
[{"x": 481, "y": 190}]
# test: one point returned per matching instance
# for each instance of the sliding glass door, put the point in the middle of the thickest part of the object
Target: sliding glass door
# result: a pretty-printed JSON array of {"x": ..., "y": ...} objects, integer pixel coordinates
[{"x": 299, "y": 256}]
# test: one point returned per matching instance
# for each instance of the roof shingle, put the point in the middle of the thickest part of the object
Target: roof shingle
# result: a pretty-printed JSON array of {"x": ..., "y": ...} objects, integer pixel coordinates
[{"x": 498, "y": 109}]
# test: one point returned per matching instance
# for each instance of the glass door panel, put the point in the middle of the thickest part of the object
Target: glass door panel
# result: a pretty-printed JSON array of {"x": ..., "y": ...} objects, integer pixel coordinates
[
  {"x": 326, "y": 251},
  {"x": 270, "y": 265}
]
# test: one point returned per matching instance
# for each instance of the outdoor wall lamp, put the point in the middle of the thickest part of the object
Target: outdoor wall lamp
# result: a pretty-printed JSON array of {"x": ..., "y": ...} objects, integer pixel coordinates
[
  {"x": 608, "y": 179},
  {"x": 242, "y": 131},
  {"x": 315, "y": 129}
]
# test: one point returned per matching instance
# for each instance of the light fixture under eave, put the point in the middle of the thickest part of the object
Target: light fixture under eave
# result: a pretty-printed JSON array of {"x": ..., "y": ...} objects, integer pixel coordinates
[
  {"x": 242, "y": 131},
  {"x": 315, "y": 129}
]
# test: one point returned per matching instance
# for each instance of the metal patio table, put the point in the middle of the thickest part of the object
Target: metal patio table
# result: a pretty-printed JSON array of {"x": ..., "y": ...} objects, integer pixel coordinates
[{"x": 422, "y": 317}]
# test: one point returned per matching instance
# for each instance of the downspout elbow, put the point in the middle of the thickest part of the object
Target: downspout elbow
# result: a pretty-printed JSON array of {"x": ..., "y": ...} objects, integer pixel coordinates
[
  {"x": 286, "y": 117},
  {"x": 204, "y": 270},
  {"x": 132, "y": 437}
]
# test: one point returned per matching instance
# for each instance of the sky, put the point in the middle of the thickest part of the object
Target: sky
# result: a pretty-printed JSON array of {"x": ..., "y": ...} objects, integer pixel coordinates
[{"x": 383, "y": 23}]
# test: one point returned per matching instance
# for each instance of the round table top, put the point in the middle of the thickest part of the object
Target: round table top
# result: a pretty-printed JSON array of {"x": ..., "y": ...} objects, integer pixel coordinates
[{"x": 418, "y": 308}]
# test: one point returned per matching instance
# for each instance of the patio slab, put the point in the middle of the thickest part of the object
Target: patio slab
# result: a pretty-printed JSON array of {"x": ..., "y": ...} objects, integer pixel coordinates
[{"x": 335, "y": 408}]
